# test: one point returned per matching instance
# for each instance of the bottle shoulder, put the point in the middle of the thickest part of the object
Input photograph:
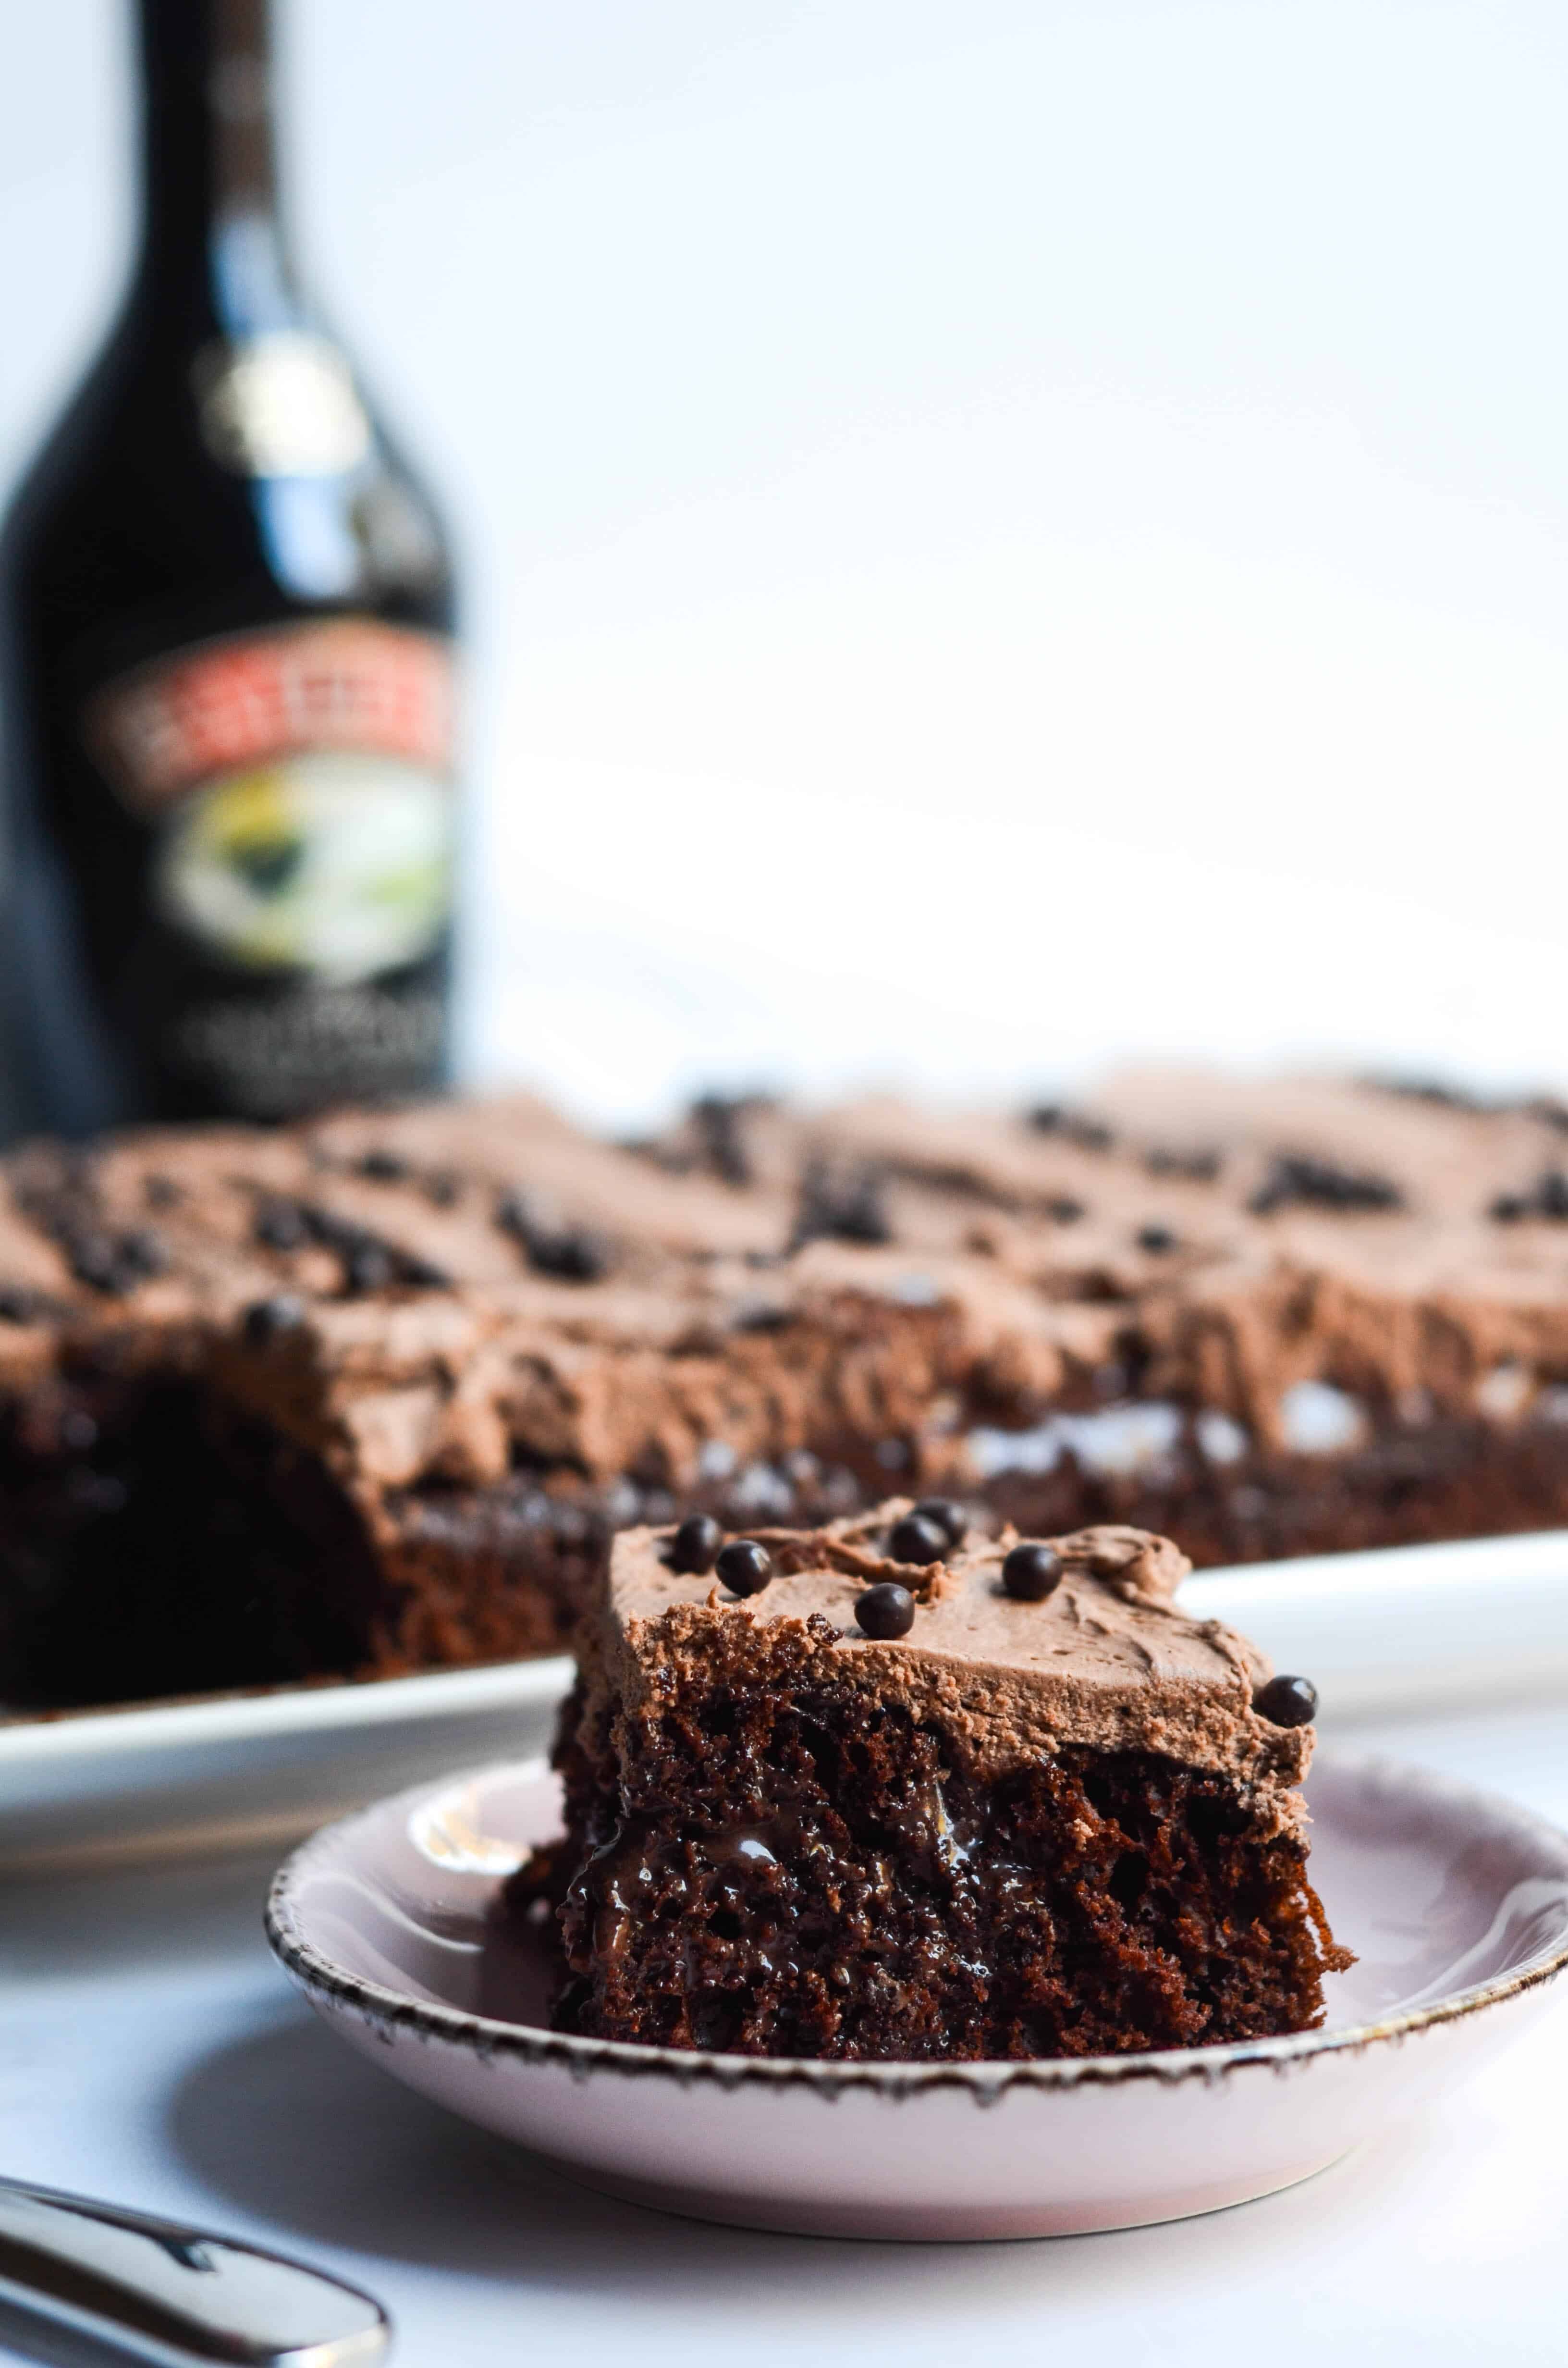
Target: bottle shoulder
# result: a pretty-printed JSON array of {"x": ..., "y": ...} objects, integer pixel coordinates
[{"x": 189, "y": 462}]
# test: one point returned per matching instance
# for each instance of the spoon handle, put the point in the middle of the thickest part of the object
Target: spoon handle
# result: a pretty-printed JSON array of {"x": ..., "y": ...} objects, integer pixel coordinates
[{"x": 177, "y": 2295}]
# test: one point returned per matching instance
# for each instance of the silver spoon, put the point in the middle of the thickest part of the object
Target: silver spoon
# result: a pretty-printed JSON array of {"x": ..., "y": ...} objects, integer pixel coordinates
[{"x": 177, "y": 2295}]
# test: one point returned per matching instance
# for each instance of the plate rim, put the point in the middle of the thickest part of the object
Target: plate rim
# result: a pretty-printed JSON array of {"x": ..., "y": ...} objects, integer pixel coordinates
[{"x": 388, "y": 2011}]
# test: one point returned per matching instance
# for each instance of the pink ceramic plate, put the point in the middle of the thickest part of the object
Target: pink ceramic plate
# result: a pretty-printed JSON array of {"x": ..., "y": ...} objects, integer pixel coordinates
[{"x": 1456, "y": 1905}]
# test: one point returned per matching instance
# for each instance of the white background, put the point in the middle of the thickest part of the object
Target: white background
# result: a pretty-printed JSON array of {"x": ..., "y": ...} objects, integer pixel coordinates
[{"x": 997, "y": 535}]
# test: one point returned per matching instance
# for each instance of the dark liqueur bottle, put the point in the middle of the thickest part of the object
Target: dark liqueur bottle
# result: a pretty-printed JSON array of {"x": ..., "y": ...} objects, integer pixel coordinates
[{"x": 227, "y": 711}]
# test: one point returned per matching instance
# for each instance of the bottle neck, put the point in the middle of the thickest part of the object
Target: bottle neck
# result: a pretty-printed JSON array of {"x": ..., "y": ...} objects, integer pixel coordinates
[{"x": 212, "y": 246}]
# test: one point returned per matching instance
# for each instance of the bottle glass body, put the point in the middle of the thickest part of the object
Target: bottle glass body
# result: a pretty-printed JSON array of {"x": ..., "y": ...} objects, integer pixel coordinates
[{"x": 228, "y": 695}]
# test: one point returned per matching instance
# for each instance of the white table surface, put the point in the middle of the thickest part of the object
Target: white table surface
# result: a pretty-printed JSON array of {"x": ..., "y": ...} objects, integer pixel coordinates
[{"x": 151, "y": 2052}]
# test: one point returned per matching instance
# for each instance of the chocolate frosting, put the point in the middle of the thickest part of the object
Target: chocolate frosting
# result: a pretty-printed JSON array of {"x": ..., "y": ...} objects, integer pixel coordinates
[
  {"x": 482, "y": 1285},
  {"x": 1108, "y": 1660}
]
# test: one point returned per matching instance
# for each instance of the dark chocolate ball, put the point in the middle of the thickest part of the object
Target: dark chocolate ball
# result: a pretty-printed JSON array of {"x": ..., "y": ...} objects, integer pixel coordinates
[
  {"x": 745, "y": 1566},
  {"x": 281, "y": 1226},
  {"x": 143, "y": 1252},
  {"x": 576, "y": 1256},
  {"x": 268, "y": 1319},
  {"x": 94, "y": 1260},
  {"x": 914, "y": 1539},
  {"x": 949, "y": 1516},
  {"x": 885, "y": 1610},
  {"x": 1031, "y": 1572},
  {"x": 368, "y": 1266},
  {"x": 1287, "y": 1701},
  {"x": 424, "y": 1273},
  {"x": 695, "y": 1546}
]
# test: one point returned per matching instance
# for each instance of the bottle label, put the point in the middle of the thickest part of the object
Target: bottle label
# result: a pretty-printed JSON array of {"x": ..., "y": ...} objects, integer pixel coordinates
[{"x": 297, "y": 783}]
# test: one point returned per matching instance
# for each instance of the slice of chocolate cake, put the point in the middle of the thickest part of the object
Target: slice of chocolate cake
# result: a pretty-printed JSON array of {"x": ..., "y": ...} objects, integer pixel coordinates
[{"x": 873, "y": 1792}]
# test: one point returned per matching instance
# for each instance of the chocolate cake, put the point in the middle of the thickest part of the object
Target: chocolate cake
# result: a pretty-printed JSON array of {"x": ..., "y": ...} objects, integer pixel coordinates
[
  {"x": 370, "y": 1394},
  {"x": 874, "y": 1790}
]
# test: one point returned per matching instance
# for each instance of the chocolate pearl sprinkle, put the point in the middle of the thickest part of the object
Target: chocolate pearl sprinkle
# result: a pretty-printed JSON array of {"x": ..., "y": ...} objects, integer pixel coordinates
[
  {"x": 843, "y": 1203},
  {"x": 576, "y": 1256},
  {"x": 268, "y": 1319},
  {"x": 695, "y": 1546},
  {"x": 1156, "y": 1240},
  {"x": 281, "y": 1226},
  {"x": 745, "y": 1566},
  {"x": 422, "y": 1273},
  {"x": 93, "y": 1261},
  {"x": 948, "y": 1515},
  {"x": 366, "y": 1266},
  {"x": 717, "y": 1122},
  {"x": 1287, "y": 1701},
  {"x": 1031, "y": 1572},
  {"x": 1072, "y": 1126},
  {"x": 1548, "y": 1197},
  {"x": 917, "y": 1539},
  {"x": 885, "y": 1610},
  {"x": 570, "y": 1254},
  {"x": 1295, "y": 1178}
]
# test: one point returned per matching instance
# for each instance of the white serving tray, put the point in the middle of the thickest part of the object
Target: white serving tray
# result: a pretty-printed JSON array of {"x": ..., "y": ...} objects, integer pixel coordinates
[
  {"x": 1405, "y": 1627},
  {"x": 1399, "y": 1628},
  {"x": 242, "y": 1769}
]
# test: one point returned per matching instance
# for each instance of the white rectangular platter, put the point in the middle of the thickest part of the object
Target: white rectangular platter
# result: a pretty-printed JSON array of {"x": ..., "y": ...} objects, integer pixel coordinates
[
  {"x": 240, "y": 1771},
  {"x": 1377, "y": 1632}
]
